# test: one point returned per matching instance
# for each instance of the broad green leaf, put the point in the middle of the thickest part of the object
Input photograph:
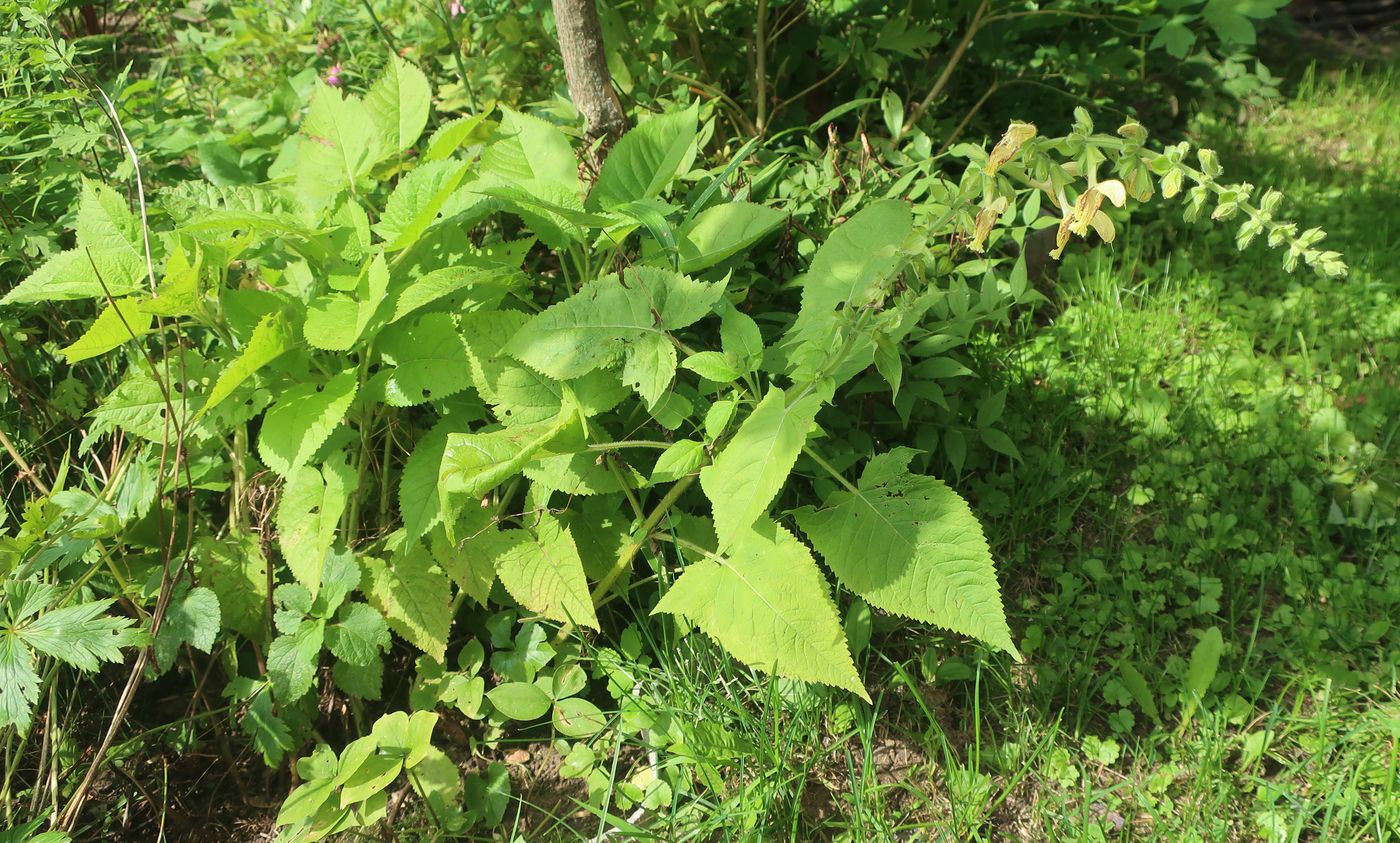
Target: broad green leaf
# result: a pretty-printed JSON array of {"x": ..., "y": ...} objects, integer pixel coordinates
[
  {"x": 576, "y": 717},
  {"x": 677, "y": 461},
  {"x": 712, "y": 365},
  {"x": 292, "y": 659},
  {"x": 81, "y": 274},
  {"x": 334, "y": 320},
  {"x": 1176, "y": 37},
  {"x": 603, "y": 320},
  {"x": 469, "y": 567},
  {"x": 270, "y": 735},
  {"x": 644, "y": 160},
  {"x": 19, "y": 684},
  {"x": 357, "y": 635},
  {"x": 485, "y": 283},
  {"x": 373, "y": 776},
  {"x": 475, "y": 463},
  {"x": 486, "y": 332},
  {"x": 302, "y": 419},
  {"x": 268, "y": 342},
  {"x": 739, "y": 337},
  {"x": 399, "y": 102},
  {"x": 341, "y": 142},
  {"x": 752, "y": 468},
  {"x": 419, "y": 505},
  {"x": 308, "y": 515},
  {"x": 910, "y": 545},
  {"x": 541, "y": 569},
  {"x": 365, "y": 681},
  {"x": 120, "y": 321},
  {"x": 429, "y": 360},
  {"x": 106, "y": 223},
  {"x": 416, "y": 200},
  {"x": 521, "y": 701},
  {"x": 194, "y": 619},
  {"x": 767, "y": 603},
  {"x": 581, "y": 474},
  {"x": 409, "y": 736},
  {"x": 650, "y": 367},
  {"x": 722, "y": 231},
  {"x": 235, "y": 569},
  {"x": 852, "y": 267},
  {"x": 138, "y": 407},
  {"x": 450, "y": 136},
  {"x": 414, "y": 596},
  {"x": 526, "y": 149},
  {"x": 305, "y": 801}
]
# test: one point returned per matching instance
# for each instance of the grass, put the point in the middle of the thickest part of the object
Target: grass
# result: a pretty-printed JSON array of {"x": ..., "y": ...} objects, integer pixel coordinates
[{"x": 1208, "y": 444}]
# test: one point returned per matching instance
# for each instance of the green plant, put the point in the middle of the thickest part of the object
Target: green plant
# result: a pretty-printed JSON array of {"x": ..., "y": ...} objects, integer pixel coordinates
[{"x": 538, "y": 374}]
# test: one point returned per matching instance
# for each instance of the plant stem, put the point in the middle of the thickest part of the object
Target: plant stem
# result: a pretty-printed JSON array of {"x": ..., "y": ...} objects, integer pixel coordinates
[
  {"x": 830, "y": 469},
  {"x": 948, "y": 68}
]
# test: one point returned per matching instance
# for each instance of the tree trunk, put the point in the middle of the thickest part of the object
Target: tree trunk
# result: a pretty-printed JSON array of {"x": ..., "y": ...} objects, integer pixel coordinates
[{"x": 586, "y": 66}]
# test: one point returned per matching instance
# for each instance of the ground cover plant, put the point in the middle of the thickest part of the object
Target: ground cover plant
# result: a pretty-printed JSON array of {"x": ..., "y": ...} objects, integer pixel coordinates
[{"x": 386, "y": 430}]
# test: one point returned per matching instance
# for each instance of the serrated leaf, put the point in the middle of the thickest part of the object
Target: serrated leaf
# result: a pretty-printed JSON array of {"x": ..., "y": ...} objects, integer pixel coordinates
[
  {"x": 752, "y": 468},
  {"x": 450, "y": 136},
  {"x": 416, "y": 201},
  {"x": 194, "y": 619},
  {"x": 235, "y": 569},
  {"x": 358, "y": 634},
  {"x": 138, "y": 407},
  {"x": 334, "y": 320},
  {"x": 292, "y": 659},
  {"x": 268, "y": 342},
  {"x": 541, "y": 569},
  {"x": 677, "y": 461},
  {"x": 722, "y": 231},
  {"x": 767, "y": 603},
  {"x": 302, "y": 419},
  {"x": 580, "y": 474},
  {"x": 712, "y": 365},
  {"x": 19, "y": 684},
  {"x": 81, "y": 274},
  {"x": 341, "y": 141},
  {"x": 429, "y": 360},
  {"x": 119, "y": 322},
  {"x": 419, "y": 505},
  {"x": 910, "y": 545},
  {"x": 856, "y": 258},
  {"x": 607, "y": 317},
  {"x": 486, "y": 284},
  {"x": 365, "y": 681},
  {"x": 645, "y": 159},
  {"x": 399, "y": 102},
  {"x": 527, "y": 149},
  {"x": 83, "y": 636},
  {"x": 739, "y": 336},
  {"x": 308, "y": 515},
  {"x": 106, "y": 223},
  {"x": 414, "y": 596},
  {"x": 475, "y": 463},
  {"x": 469, "y": 566}
]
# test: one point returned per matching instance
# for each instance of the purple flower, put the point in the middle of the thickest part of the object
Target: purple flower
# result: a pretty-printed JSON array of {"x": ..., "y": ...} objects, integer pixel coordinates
[
  {"x": 333, "y": 77},
  {"x": 456, "y": 8}
]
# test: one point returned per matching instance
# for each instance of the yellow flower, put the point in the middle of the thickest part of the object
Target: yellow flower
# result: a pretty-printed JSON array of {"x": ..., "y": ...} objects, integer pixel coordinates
[
  {"x": 986, "y": 218},
  {"x": 1086, "y": 212},
  {"x": 1016, "y": 134}
]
